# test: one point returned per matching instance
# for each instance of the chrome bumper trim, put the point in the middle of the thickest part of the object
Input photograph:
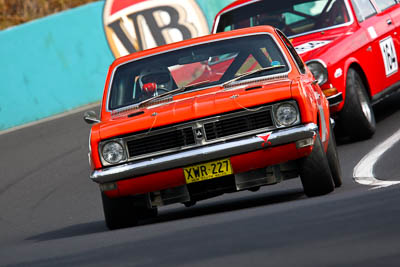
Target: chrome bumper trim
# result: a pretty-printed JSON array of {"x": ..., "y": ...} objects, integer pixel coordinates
[
  {"x": 201, "y": 154},
  {"x": 335, "y": 100}
]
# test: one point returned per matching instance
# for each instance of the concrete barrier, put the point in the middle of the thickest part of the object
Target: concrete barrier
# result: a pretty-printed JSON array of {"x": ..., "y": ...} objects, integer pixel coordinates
[
  {"x": 58, "y": 63},
  {"x": 52, "y": 65}
]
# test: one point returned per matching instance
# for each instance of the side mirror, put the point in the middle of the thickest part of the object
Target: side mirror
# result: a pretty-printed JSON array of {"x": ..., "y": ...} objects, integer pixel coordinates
[{"x": 90, "y": 117}]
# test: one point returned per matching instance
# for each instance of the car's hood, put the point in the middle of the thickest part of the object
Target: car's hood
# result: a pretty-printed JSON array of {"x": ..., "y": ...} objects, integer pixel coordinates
[
  {"x": 192, "y": 106},
  {"x": 316, "y": 45}
]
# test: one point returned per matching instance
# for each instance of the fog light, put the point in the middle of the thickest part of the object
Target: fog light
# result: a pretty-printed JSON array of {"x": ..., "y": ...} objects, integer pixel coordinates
[{"x": 305, "y": 142}]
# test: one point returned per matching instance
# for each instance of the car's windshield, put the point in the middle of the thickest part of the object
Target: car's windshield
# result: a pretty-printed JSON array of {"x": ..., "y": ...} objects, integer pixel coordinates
[
  {"x": 293, "y": 17},
  {"x": 194, "y": 67}
]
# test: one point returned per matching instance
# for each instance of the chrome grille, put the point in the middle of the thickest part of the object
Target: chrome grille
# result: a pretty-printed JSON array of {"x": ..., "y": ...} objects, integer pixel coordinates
[{"x": 183, "y": 136}]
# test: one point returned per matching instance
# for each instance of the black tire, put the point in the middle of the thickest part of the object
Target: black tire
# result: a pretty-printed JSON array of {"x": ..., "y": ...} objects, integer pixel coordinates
[
  {"x": 314, "y": 172},
  {"x": 333, "y": 160},
  {"x": 122, "y": 212},
  {"x": 356, "y": 119}
]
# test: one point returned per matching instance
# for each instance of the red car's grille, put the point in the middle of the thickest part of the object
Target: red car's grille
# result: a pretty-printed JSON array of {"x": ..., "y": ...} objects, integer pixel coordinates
[
  {"x": 198, "y": 133},
  {"x": 160, "y": 142}
]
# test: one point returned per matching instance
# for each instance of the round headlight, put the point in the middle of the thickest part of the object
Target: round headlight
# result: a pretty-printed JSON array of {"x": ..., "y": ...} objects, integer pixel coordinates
[
  {"x": 286, "y": 114},
  {"x": 113, "y": 152},
  {"x": 319, "y": 71}
]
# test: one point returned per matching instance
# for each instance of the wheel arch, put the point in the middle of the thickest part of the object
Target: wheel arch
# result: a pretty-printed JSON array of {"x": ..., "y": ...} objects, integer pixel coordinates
[
  {"x": 356, "y": 119},
  {"x": 357, "y": 67}
]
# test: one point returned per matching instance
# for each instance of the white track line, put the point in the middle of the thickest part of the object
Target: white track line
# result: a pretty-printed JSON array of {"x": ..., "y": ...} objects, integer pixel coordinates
[{"x": 363, "y": 172}]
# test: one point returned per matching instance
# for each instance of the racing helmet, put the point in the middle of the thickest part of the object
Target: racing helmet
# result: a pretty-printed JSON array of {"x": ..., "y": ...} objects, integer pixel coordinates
[{"x": 160, "y": 76}]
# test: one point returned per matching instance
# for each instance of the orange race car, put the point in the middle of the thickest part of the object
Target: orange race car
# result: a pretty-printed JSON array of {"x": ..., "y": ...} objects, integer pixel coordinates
[{"x": 202, "y": 117}]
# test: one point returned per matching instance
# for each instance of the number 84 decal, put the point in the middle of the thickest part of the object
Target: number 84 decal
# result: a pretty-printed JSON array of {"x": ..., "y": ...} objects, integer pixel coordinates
[{"x": 389, "y": 55}]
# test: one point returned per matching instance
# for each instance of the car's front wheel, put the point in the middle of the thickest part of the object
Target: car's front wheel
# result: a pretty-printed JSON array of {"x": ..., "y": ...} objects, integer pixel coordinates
[
  {"x": 333, "y": 159},
  {"x": 122, "y": 212},
  {"x": 356, "y": 119},
  {"x": 315, "y": 173}
]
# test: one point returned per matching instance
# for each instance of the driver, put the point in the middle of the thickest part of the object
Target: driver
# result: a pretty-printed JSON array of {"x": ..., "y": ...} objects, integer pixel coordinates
[{"x": 155, "y": 81}]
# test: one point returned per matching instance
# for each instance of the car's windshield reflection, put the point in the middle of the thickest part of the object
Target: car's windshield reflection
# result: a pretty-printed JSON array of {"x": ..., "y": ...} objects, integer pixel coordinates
[
  {"x": 293, "y": 17},
  {"x": 194, "y": 68}
]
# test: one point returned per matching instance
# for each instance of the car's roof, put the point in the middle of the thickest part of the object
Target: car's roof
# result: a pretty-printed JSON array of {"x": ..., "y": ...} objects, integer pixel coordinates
[
  {"x": 235, "y": 4},
  {"x": 194, "y": 41}
]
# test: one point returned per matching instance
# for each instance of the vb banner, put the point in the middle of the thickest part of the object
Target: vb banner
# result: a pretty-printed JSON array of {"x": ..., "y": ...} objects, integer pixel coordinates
[{"x": 135, "y": 25}]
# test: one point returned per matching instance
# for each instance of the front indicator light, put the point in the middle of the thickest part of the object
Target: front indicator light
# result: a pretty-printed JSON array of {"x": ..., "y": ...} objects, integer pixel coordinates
[
  {"x": 330, "y": 92},
  {"x": 113, "y": 152},
  {"x": 304, "y": 143},
  {"x": 108, "y": 187}
]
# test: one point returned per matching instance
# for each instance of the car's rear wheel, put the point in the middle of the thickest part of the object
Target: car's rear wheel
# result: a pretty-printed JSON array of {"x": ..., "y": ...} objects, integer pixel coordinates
[
  {"x": 315, "y": 173},
  {"x": 356, "y": 119},
  {"x": 122, "y": 212},
  {"x": 333, "y": 160}
]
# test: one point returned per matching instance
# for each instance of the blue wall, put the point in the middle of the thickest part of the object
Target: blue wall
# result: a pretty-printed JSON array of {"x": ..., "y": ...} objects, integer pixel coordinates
[
  {"x": 211, "y": 8},
  {"x": 58, "y": 63},
  {"x": 52, "y": 65}
]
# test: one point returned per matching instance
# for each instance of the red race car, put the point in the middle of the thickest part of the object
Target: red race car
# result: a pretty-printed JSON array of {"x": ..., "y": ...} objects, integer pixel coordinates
[
  {"x": 217, "y": 114},
  {"x": 349, "y": 45}
]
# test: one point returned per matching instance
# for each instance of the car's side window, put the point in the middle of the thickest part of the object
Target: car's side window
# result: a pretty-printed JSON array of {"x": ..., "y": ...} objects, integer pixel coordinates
[
  {"x": 385, "y": 4},
  {"x": 364, "y": 9}
]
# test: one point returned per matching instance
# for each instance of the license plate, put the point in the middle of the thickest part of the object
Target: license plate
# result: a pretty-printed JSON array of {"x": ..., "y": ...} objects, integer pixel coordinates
[{"x": 206, "y": 171}]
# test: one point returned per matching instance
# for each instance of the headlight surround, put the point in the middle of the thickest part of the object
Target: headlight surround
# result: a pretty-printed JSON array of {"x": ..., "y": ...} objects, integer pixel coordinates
[
  {"x": 318, "y": 69},
  {"x": 286, "y": 114},
  {"x": 113, "y": 152}
]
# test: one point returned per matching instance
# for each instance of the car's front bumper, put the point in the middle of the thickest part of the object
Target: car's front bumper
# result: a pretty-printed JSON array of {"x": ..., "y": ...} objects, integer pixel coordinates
[
  {"x": 206, "y": 153},
  {"x": 335, "y": 100}
]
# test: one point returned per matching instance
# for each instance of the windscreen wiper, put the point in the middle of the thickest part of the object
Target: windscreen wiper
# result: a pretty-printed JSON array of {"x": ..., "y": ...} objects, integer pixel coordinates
[
  {"x": 160, "y": 96},
  {"x": 257, "y": 71}
]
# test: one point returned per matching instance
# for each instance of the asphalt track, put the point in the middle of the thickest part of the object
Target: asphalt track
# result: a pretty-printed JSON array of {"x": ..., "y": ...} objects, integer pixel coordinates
[{"x": 51, "y": 214}]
